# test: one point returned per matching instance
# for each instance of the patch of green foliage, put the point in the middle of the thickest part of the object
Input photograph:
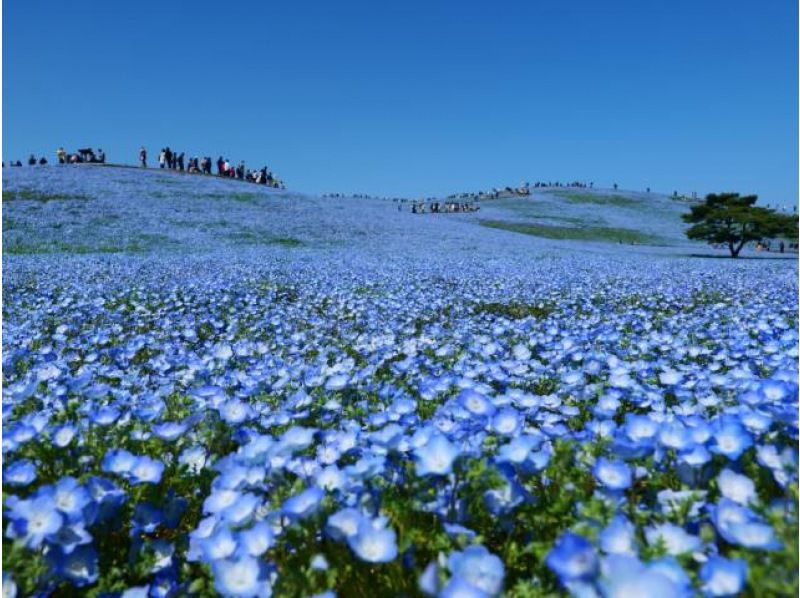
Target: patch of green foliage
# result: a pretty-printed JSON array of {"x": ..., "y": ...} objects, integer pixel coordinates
[
  {"x": 142, "y": 244},
  {"x": 251, "y": 237},
  {"x": 242, "y": 196},
  {"x": 28, "y": 194},
  {"x": 515, "y": 310},
  {"x": 584, "y": 233},
  {"x": 597, "y": 199}
]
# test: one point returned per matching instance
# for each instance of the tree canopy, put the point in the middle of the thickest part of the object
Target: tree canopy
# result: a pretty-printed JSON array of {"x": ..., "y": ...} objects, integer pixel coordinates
[{"x": 734, "y": 220}]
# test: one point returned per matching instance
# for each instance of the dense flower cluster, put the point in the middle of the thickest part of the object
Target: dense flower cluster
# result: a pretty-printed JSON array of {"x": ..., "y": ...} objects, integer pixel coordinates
[{"x": 252, "y": 425}]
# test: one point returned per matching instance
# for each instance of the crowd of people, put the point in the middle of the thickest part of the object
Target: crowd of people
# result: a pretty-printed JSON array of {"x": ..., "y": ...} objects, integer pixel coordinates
[
  {"x": 84, "y": 155},
  {"x": 522, "y": 191},
  {"x": 442, "y": 207},
  {"x": 166, "y": 159},
  {"x": 361, "y": 196},
  {"x": 173, "y": 160}
]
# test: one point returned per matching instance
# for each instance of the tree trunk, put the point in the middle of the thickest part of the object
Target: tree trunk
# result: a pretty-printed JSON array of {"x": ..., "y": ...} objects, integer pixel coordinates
[{"x": 735, "y": 250}]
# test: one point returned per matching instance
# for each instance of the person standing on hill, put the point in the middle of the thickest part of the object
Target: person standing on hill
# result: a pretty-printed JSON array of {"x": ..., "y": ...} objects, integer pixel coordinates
[
  {"x": 168, "y": 157},
  {"x": 220, "y": 166},
  {"x": 180, "y": 161},
  {"x": 162, "y": 158},
  {"x": 61, "y": 155},
  {"x": 143, "y": 157}
]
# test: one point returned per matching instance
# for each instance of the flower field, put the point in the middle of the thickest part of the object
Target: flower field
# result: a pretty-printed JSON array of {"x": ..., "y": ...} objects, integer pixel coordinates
[{"x": 388, "y": 405}]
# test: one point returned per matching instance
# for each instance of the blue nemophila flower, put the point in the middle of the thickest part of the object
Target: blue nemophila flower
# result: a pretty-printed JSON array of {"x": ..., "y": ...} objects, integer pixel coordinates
[
  {"x": 336, "y": 382},
  {"x": 71, "y": 498},
  {"x": 70, "y": 536},
  {"x": 572, "y": 558},
  {"x": 752, "y": 534},
  {"x": 518, "y": 450},
  {"x": 436, "y": 456},
  {"x": 373, "y": 542},
  {"x": 674, "y": 435},
  {"x": 107, "y": 496},
  {"x": 506, "y": 421},
  {"x": 296, "y": 439},
  {"x": 234, "y": 411},
  {"x": 242, "y": 510},
  {"x": 63, "y": 435},
  {"x": 169, "y": 431},
  {"x": 627, "y": 576},
  {"x": 673, "y": 538},
  {"x": 119, "y": 461},
  {"x": 614, "y": 475},
  {"x": 219, "y": 543},
  {"x": 105, "y": 416},
  {"x": 479, "y": 568},
  {"x": 343, "y": 524},
  {"x": 257, "y": 540},
  {"x": 641, "y": 429},
  {"x": 146, "y": 471},
  {"x": 147, "y": 517},
  {"x": 331, "y": 478},
  {"x": 20, "y": 473},
  {"x": 723, "y": 577},
  {"x": 476, "y": 403},
  {"x": 619, "y": 537},
  {"x": 244, "y": 577},
  {"x": 34, "y": 519},
  {"x": 730, "y": 439},
  {"x": 79, "y": 567},
  {"x": 737, "y": 487},
  {"x": 670, "y": 377},
  {"x": 304, "y": 504}
]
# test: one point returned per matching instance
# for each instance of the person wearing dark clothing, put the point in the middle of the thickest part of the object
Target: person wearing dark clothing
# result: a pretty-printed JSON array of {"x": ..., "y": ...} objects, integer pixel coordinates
[
  {"x": 143, "y": 157},
  {"x": 168, "y": 157},
  {"x": 220, "y": 166},
  {"x": 180, "y": 161},
  {"x": 32, "y": 160},
  {"x": 782, "y": 247},
  {"x": 101, "y": 156},
  {"x": 43, "y": 161}
]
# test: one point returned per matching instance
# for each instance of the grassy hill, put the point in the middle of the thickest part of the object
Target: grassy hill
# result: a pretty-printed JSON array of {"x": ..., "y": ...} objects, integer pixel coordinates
[{"x": 88, "y": 210}]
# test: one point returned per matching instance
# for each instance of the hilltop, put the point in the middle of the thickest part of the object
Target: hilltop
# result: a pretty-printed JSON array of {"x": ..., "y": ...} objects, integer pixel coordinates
[{"x": 105, "y": 210}]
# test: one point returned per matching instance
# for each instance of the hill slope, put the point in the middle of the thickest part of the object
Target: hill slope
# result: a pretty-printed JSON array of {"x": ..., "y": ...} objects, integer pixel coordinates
[{"x": 79, "y": 210}]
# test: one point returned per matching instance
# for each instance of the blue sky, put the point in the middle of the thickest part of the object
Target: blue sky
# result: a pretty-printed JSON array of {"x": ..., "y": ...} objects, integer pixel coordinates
[{"x": 419, "y": 98}]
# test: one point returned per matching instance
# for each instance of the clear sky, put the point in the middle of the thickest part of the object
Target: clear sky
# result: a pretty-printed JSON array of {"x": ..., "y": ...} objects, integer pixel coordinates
[{"x": 411, "y": 98}]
